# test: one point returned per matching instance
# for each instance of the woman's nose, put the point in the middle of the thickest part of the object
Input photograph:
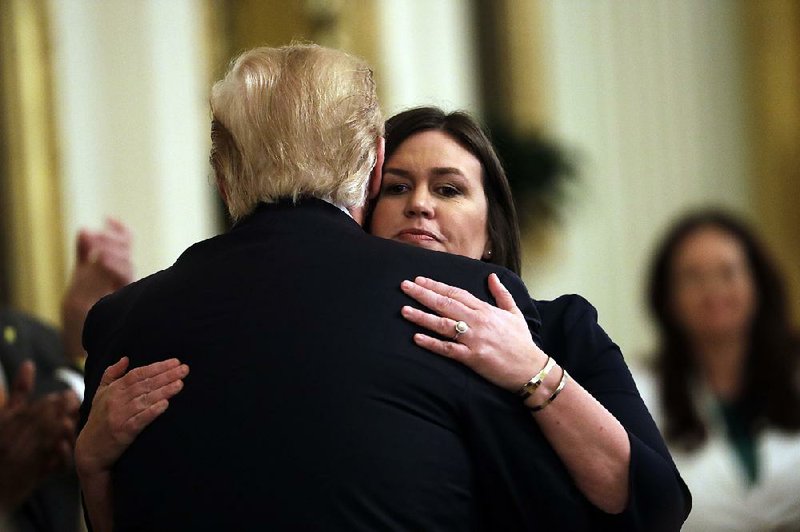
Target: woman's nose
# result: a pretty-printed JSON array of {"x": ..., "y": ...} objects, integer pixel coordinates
[{"x": 419, "y": 203}]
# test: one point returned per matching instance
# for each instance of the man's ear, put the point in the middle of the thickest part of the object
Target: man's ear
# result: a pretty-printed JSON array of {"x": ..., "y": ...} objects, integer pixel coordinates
[
  {"x": 222, "y": 192},
  {"x": 376, "y": 176}
]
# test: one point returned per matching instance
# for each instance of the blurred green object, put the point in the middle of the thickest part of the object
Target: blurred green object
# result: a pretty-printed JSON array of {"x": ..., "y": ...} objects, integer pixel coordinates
[{"x": 539, "y": 170}]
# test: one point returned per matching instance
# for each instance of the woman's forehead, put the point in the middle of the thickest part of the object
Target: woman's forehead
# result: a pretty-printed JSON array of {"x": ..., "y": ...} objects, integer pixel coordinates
[{"x": 434, "y": 147}]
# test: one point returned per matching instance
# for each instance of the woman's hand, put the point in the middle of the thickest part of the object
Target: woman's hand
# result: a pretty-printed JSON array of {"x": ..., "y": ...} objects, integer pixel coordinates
[
  {"x": 498, "y": 344},
  {"x": 122, "y": 407},
  {"x": 593, "y": 445}
]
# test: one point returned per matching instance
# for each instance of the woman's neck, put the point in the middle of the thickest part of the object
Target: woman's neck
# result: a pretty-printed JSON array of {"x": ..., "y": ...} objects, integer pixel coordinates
[{"x": 722, "y": 362}]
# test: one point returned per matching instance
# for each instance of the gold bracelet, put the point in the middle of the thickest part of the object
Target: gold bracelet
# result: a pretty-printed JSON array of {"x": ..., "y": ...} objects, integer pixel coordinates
[
  {"x": 529, "y": 387},
  {"x": 564, "y": 377}
]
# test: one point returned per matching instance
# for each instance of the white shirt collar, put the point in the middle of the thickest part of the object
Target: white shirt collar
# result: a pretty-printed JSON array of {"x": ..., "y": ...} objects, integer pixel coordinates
[{"x": 343, "y": 209}]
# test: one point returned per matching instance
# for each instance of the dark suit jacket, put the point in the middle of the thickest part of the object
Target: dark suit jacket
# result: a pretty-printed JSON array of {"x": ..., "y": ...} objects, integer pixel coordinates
[{"x": 308, "y": 407}]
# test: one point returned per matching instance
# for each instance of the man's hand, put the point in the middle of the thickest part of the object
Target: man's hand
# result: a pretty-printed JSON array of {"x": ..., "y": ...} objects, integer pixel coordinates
[
  {"x": 36, "y": 437},
  {"x": 102, "y": 265}
]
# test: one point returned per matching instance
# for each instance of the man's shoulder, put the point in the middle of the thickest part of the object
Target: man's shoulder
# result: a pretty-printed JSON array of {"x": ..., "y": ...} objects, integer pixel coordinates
[
  {"x": 448, "y": 265},
  {"x": 127, "y": 295},
  {"x": 124, "y": 297},
  {"x": 112, "y": 313}
]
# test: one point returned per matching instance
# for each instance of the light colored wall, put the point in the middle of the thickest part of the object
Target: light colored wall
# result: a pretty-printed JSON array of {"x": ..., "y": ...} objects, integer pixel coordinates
[
  {"x": 650, "y": 94},
  {"x": 131, "y": 101},
  {"x": 429, "y": 55}
]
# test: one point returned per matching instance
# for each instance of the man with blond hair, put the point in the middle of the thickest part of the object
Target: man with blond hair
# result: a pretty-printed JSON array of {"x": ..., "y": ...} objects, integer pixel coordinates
[{"x": 308, "y": 407}]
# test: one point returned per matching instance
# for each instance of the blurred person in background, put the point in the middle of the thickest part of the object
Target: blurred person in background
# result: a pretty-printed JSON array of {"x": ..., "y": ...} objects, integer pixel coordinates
[
  {"x": 102, "y": 265},
  {"x": 40, "y": 390},
  {"x": 725, "y": 387}
]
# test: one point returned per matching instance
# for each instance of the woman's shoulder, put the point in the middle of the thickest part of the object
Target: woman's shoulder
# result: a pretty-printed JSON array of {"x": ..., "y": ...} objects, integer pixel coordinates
[
  {"x": 570, "y": 331},
  {"x": 565, "y": 311}
]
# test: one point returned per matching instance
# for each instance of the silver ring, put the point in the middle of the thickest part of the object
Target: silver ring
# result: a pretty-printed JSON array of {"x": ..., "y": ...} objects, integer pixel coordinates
[{"x": 461, "y": 327}]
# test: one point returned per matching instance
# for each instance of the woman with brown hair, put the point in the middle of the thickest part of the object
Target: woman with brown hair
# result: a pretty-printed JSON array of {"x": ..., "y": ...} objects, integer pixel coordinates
[{"x": 727, "y": 375}]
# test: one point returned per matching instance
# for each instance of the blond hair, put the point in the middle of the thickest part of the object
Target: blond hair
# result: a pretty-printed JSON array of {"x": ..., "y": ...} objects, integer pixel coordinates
[{"x": 300, "y": 120}]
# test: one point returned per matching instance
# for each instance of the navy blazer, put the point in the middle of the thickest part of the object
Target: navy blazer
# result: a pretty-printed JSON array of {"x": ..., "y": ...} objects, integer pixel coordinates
[
  {"x": 309, "y": 407},
  {"x": 659, "y": 498}
]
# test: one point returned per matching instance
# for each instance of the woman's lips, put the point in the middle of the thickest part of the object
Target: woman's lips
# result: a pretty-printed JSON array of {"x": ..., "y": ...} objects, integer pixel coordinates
[{"x": 417, "y": 235}]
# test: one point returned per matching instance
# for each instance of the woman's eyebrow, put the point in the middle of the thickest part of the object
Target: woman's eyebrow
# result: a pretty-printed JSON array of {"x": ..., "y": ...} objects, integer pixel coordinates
[
  {"x": 438, "y": 170},
  {"x": 446, "y": 170},
  {"x": 396, "y": 171}
]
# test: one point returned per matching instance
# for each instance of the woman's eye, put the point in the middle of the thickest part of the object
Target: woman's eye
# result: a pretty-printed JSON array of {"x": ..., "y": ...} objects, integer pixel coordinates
[
  {"x": 449, "y": 191},
  {"x": 395, "y": 189}
]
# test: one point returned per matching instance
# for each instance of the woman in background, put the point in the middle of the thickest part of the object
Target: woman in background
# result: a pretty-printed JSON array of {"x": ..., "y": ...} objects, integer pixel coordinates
[{"x": 728, "y": 400}]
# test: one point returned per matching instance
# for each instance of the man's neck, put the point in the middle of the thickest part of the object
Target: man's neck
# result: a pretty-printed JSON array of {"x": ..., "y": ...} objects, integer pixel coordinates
[{"x": 358, "y": 214}]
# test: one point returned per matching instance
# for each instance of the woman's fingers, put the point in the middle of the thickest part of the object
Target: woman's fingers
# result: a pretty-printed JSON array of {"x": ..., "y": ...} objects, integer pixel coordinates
[
  {"x": 148, "y": 399},
  {"x": 444, "y": 305},
  {"x": 443, "y": 326},
  {"x": 152, "y": 391},
  {"x": 127, "y": 417},
  {"x": 452, "y": 292},
  {"x": 114, "y": 371},
  {"x": 124, "y": 408},
  {"x": 452, "y": 350},
  {"x": 151, "y": 383},
  {"x": 154, "y": 394},
  {"x": 149, "y": 371},
  {"x": 115, "y": 374},
  {"x": 502, "y": 296},
  {"x": 496, "y": 343},
  {"x": 137, "y": 423},
  {"x": 140, "y": 389}
]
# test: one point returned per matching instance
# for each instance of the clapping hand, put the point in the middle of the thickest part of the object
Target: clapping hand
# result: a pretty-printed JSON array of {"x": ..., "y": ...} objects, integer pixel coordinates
[
  {"x": 36, "y": 436},
  {"x": 102, "y": 265}
]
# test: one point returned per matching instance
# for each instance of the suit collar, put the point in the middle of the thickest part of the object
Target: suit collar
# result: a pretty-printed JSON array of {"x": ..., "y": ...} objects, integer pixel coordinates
[{"x": 306, "y": 207}]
